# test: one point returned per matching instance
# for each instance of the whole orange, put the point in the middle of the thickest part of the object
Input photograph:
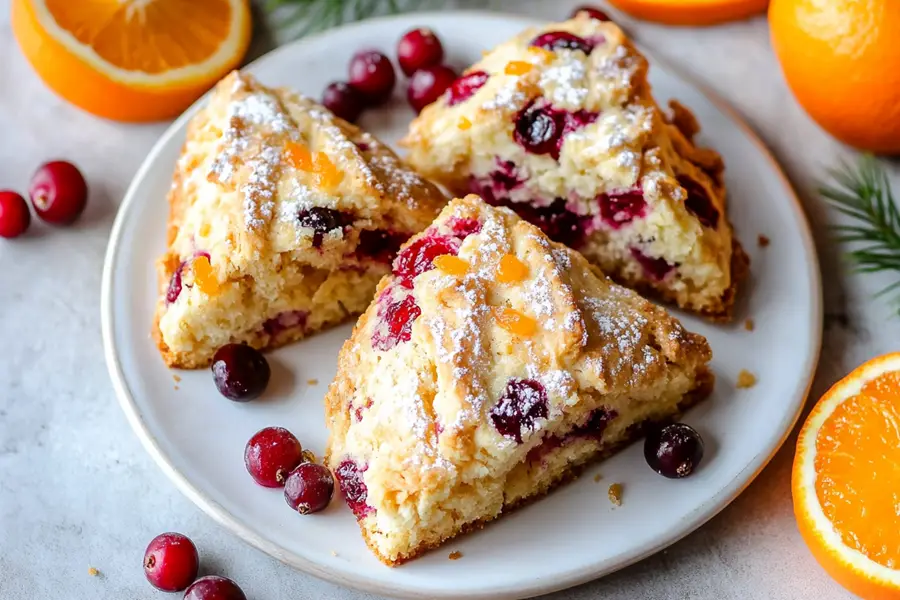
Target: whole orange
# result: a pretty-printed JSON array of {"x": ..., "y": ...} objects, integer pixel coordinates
[{"x": 841, "y": 59}]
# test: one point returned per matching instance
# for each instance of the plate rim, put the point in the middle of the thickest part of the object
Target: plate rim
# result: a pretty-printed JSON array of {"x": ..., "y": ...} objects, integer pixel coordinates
[{"x": 703, "y": 513}]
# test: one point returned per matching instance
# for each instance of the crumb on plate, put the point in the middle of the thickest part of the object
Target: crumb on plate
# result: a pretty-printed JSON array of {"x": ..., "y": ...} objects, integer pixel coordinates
[
  {"x": 176, "y": 378},
  {"x": 615, "y": 494},
  {"x": 312, "y": 382},
  {"x": 597, "y": 477},
  {"x": 93, "y": 572},
  {"x": 763, "y": 241},
  {"x": 455, "y": 555},
  {"x": 746, "y": 379},
  {"x": 749, "y": 324}
]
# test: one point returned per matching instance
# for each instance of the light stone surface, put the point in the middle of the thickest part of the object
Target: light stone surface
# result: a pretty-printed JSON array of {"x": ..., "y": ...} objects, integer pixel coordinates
[{"x": 78, "y": 491}]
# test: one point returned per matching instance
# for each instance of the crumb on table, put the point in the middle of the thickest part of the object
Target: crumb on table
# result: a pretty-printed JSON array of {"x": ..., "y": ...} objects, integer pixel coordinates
[
  {"x": 93, "y": 572},
  {"x": 312, "y": 382},
  {"x": 455, "y": 555},
  {"x": 746, "y": 379},
  {"x": 763, "y": 241},
  {"x": 615, "y": 494},
  {"x": 749, "y": 324},
  {"x": 176, "y": 378},
  {"x": 597, "y": 477}
]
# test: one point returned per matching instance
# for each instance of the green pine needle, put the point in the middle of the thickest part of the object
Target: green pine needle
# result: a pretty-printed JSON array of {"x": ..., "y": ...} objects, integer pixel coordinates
[
  {"x": 306, "y": 16},
  {"x": 863, "y": 193}
]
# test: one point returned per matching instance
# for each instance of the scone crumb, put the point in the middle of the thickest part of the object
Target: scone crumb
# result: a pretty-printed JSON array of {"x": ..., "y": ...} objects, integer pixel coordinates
[
  {"x": 746, "y": 379},
  {"x": 455, "y": 555},
  {"x": 93, "y": 572},
  {"x": 307, "y": 456},
  {"x": 334, "y": 553},
  {"x": 597, "y": 477},
  {"x": 312, "y": 382},
  {"x": 615, "y": 494},
  {"x": 749, "y": 324},
  {"x": 763, "y": 241},
  {"x": 176, "y": 378},
  {"x": 177, "y": 388}
]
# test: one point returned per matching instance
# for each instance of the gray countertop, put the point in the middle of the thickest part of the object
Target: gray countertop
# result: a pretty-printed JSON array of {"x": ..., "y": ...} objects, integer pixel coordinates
[{"x": 77, "y": 490}]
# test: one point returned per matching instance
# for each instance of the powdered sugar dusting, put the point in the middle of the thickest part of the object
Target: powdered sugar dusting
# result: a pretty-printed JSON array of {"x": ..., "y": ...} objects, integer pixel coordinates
[{"x": 565, "y": 83}]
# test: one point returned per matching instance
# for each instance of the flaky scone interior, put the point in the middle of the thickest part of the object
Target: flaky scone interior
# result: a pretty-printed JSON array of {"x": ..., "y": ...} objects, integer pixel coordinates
[
  {"x": 282, "y": 220},
  {"x": 492, "y": 365},
  {"x": 560, "y": 125}
]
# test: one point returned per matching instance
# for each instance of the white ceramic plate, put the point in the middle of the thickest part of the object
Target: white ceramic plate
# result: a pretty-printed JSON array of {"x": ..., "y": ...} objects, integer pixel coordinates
[{"x": 575, "y": 534}]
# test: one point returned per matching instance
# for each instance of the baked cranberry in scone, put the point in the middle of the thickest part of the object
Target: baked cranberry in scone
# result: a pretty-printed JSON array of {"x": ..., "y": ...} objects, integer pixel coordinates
[
  {"x": 559, "y": 124},
  {"x": 492, "y": 364},
  {"x": 283, "y": 218}
]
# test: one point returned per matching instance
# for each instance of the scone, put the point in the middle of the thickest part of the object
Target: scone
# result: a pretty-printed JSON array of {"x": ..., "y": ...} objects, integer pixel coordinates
[
  {"x": 560, "y": 125},
  {"x": 492, "y": 364},
  {"x": 282, "y": 220}
]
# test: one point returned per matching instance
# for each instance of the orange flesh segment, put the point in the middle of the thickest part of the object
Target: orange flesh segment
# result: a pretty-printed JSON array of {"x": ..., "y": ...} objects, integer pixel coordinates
[
  {"x": 517, "y": 67},
  {"x": 451, "y": 265},
  {"x": 515, "y": 322},
  {"x": 204, "y": 277},
  {"x": 179, "y": 32},
  {"x": 299, "y": 156},
  {"x": 327, "y": 174},
  {"x": 857, "y": 463},
  {"x": 511, "y": 269}
]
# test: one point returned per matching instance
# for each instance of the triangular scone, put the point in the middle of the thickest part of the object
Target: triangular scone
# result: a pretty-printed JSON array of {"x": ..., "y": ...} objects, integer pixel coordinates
[
  {"x": 560, "y": 125},
  {"x": 491, "y": 365},
  {"x": 282, "y": 220}
]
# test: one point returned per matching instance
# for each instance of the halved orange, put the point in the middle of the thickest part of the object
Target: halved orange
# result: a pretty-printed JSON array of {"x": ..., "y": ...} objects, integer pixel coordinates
[
  {"x": 846, "y": 480},
  {"x": 134, "y": 60},
  {"x": 691, "y": 12}
]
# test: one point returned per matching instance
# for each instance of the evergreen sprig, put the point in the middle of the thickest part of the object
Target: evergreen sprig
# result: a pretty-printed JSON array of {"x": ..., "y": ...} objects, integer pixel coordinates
[
  {"x": 306, "y": 16},
  {"x": 863, "y": 193}
]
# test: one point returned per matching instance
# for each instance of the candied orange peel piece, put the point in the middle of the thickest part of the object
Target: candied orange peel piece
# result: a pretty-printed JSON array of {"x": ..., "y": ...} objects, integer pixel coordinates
[
  {"x": 517, "y": 67},
  {"x": 451, "y": 265},
  {"x": 511, "y": 269},
  {"x": 299, "y": 156},
  {"x": 327, "y": 174},
  {"x": 464, "y": 123},
  {"x": 515, "y": 322},
  {"x": 204, "y": 277}
]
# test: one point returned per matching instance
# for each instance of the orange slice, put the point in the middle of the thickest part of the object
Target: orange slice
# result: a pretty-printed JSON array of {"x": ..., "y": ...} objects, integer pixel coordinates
[
  {"x": 845, "y": 480},
  {"x": 139, "y": 60},
  {"x": 691, "y": 12}
]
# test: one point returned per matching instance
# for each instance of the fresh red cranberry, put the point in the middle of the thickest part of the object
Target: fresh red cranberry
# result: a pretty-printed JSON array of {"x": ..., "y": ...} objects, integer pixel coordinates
[
  {"x": 497, "y": 185},
  {"x": 343, "y": 100},
  {"x": 620, "y": 209},
  {"x": 213, "y": 587},
  {"x": 379, "y": 244},
  {"x": 14, "y": 215},
  {"x": 58, "y": 192},
  {"x": 284, "y": 321},
  {"x": 372, "y": 73},
  {"x": 353, "y": 487},
  {"x": 656, "y": 268},
  {"x": 175, "y": 284},
  {"x": 698, "y": 202},
  {"x": 417, "y": 49},
  {"x": 555, "y": 220},
  {"x": 419, "y": 256},
  {"x": 674, "y": 450},
  {"x": 466, "y": 86},
  {"x": 395, "y": 321},
  {"x": 271, "y": 454},
  {"x": 594, "y": 13},
  {"x": 562, "y": 40},
  {"x": 523, "y": 402},
  {"x": 309, "y": 488},
  {"x": 241, "y": 373},
  {"x": 428, "y": 84},
  {"x": 359, "y": 410},
  {"x": 463, "y": 227},
  {"x": 539, "y": 129},
  {"x": 171, "y": 562},
  {"x": 321, "y": 220}
]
